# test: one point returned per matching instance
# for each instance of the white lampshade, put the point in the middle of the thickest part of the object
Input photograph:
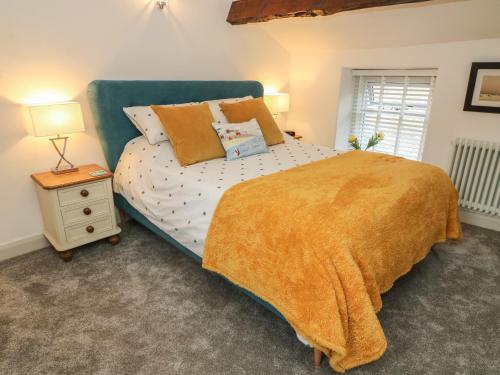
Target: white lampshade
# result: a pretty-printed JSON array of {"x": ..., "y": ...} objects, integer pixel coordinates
[
  {"x": 277, "y": 102},
  {"x": 58, "y": 118}
]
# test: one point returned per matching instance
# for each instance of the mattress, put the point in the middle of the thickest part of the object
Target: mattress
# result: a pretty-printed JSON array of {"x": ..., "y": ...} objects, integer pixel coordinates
[{"x": 181, "y": 200}]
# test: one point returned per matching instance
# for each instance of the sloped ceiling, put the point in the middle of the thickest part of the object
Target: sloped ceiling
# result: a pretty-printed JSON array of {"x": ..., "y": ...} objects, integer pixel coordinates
[{"x": 438, "y": 21}]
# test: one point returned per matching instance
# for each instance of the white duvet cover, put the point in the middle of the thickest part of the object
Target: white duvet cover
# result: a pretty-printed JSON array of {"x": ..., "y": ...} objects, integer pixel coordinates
[{"x": 181, "y": 200}]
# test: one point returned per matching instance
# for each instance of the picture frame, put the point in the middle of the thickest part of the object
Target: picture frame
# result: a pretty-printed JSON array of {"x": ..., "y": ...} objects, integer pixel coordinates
[{"x": 483, "y": 90}]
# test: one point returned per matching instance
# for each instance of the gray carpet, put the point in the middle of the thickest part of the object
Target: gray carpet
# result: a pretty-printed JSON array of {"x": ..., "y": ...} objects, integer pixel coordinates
[{"x": 144, "y": 308}]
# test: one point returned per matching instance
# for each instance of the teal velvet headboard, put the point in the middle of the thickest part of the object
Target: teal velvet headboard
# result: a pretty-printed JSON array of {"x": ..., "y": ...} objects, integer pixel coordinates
[{"x": 107, "y": 98}]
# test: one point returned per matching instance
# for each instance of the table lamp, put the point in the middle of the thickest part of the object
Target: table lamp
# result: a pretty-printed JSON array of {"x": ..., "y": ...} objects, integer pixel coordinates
[
  {"x": 277, "y": 103},
  {"x": 52, "y": 120}
]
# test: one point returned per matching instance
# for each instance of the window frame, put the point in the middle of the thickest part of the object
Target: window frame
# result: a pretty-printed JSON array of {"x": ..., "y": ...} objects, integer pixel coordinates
[{"x": 408, "y": 80}]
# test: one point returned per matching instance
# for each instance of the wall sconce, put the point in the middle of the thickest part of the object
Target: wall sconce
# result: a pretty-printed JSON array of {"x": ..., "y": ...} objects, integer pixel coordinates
[{"x": 161, "y": 4}]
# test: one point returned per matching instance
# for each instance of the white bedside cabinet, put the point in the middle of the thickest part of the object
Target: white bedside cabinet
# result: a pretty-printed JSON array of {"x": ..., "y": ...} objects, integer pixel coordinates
[{"x": 77, "y": 208}]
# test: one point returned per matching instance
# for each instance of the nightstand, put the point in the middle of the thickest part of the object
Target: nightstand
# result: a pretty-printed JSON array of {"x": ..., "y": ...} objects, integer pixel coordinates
[
  {"x": 77, "y": 208},
  {"x": 293, "y": 134}
]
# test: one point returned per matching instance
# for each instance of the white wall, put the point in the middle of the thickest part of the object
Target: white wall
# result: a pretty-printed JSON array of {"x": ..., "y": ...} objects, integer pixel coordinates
[
  {"x": 315, "y": 82},
  {"x": 51, "y": 50}
]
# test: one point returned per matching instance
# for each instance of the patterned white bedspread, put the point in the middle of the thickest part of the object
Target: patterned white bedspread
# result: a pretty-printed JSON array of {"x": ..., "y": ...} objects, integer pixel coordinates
[{"x": 181, "y": 200}]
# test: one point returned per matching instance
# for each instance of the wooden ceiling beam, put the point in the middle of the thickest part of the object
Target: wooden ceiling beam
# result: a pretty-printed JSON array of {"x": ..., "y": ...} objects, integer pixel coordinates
[{"x": 249, "y": 11}]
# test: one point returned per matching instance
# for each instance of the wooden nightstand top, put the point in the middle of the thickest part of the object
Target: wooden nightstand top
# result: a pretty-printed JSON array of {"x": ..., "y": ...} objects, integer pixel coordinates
[{"x": 49, "y": 181}]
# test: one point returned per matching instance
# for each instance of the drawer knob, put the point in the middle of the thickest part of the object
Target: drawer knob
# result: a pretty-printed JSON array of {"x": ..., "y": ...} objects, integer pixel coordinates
[
  {"x": 84, "y": 193},
  {"x": 90, "y": 229},
  {"x": 87, "y": 211}
]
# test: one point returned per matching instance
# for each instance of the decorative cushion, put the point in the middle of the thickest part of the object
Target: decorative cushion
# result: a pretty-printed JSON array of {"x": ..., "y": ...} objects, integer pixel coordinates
[
  {"x": 254, "y": 108},
  {"x": 190, "y": 131},
  {"x": 240, "y": 140},
  {"x": 216, "y": 111}
]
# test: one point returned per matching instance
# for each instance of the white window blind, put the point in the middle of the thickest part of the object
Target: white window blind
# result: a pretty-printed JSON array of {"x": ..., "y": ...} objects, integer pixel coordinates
[{"x": 396, "y": 103}]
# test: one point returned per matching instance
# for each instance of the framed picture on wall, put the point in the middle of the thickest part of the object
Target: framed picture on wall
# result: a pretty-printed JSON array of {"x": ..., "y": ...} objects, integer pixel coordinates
[{"x": 483, "y": 91}]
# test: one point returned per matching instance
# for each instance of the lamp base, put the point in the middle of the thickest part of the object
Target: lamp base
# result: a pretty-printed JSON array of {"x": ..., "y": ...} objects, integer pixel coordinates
[
  {"x": 60, "y": 168},
  {"x": 63, "y": 170}
]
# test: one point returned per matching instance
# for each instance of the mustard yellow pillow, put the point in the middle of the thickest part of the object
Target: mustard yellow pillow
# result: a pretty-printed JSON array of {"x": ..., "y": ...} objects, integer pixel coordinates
[
  {"x": 257, "y": 109},
  {"x": 191, "y": 133}
]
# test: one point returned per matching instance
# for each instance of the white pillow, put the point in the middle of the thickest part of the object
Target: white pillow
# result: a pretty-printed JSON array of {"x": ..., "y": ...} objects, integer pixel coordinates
[{"x": 150, "y": 126}]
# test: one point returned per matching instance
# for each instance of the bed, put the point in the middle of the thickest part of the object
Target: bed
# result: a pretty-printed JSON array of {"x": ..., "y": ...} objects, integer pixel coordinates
[
  {"x": 182, "y": 204},
  {"x": 116, "y": 133}
]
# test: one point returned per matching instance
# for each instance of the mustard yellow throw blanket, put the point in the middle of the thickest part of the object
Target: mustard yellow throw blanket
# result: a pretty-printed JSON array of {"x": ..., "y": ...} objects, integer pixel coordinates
[{"x": 321, "y": 242}]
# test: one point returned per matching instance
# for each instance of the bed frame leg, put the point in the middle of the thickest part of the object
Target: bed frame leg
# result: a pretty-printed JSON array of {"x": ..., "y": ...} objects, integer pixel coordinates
[
  {"x": 123, "y": 216},
  {"x": 318, "y": 356}
]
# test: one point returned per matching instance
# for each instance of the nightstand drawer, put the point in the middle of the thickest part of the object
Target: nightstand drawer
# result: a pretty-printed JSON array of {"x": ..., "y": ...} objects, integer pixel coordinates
[
  {"x": 88, "y": 230},
  {"x": 85, "y": 212},
  {"x": 82, "y": 193}
]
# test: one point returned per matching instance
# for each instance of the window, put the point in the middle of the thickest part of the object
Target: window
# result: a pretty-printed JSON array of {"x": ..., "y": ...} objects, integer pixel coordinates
[{"x": 394, "y": 102}]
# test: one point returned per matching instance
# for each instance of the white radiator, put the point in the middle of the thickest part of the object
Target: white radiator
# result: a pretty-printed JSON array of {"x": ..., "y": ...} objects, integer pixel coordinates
[{"x": 475, "y": 171}]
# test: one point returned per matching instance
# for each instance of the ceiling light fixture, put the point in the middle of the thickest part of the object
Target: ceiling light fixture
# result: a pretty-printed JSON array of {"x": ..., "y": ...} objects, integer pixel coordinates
[{"x": 162, "y": 4}]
